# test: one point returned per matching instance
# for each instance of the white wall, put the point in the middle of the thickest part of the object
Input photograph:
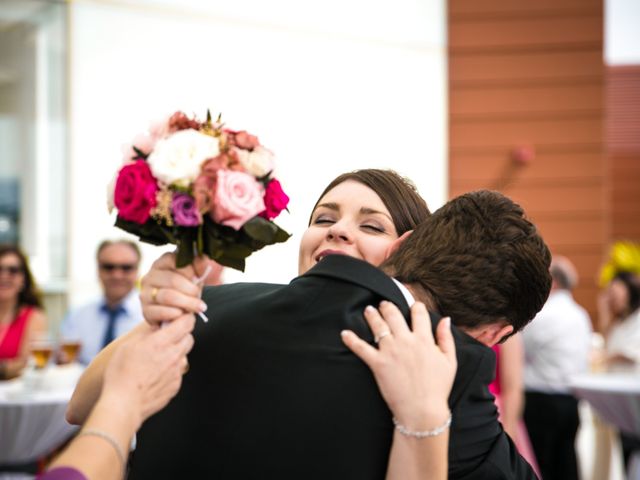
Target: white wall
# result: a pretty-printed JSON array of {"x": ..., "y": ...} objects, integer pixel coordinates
[
  {"x": 329, "y": 86},
  {"x": 622, "y": 34}
]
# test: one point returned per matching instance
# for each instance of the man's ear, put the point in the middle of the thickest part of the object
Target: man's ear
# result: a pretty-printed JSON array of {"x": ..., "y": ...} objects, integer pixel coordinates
[
  {"x": 396, "y": 243},
  {"x": 492, "y": 333}
]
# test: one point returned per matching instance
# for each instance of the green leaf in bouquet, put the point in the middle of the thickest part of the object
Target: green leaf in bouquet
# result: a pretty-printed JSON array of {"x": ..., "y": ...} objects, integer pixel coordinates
[
  {"x": 263, "y": 232},
  {"x": 149, "y": 232},
  {"x": 260, "y": 229},
  {"x": 200, "y": 240},
  {"x": 237, "y": 250},
  {"x": 236, "y": 263},
  {"x": 281, "y": 235},
  {"x": 139, "y": 153},
  {"x": 186, "y": 247}
]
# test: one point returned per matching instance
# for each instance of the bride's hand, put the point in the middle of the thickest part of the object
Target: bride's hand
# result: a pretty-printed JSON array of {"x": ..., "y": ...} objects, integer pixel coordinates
[
  {"x": 414, "y": 374},
  {"x": 168, "y": 292}
]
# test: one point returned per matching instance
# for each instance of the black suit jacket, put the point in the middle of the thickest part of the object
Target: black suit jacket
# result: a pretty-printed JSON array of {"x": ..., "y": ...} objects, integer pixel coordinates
[{"x": 272, "y": 392}]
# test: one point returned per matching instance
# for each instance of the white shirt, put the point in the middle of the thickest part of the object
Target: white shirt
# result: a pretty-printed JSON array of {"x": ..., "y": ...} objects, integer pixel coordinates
[
  {"x": 405, "y": 293},
  {"x": 624, "y": 337},
  {"x": 556, "y": 344},
  {"x": 88, "y": 324}
]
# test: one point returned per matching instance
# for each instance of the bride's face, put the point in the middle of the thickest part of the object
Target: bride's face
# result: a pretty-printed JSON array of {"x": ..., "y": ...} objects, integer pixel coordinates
[{"x": 350, "y": 220}]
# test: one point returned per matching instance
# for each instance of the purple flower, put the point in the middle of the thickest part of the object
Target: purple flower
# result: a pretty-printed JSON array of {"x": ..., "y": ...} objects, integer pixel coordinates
[{"x": 185, "y": 212}]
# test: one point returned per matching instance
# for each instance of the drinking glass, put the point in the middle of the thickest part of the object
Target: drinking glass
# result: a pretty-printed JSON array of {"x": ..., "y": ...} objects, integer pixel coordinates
[
  {"x": 41, "y": 349},
  {"x": 69, "y": 349}
]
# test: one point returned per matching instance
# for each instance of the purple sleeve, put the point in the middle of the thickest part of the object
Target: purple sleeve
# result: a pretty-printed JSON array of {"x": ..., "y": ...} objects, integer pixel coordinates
[{"x": 62, "y": 473}]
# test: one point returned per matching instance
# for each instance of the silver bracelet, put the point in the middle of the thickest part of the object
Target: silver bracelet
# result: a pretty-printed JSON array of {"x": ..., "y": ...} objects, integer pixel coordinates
[
  {"x": 109, "y": 439},
  {"x": 425, "y": 433}
]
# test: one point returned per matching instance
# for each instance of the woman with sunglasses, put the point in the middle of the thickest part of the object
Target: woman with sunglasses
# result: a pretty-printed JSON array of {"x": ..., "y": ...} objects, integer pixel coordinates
[{"x": 21, "y": 315}]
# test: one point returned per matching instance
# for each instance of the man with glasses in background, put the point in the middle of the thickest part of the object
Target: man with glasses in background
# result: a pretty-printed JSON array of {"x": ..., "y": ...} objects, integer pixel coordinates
[{"x": 97, "y": 323}]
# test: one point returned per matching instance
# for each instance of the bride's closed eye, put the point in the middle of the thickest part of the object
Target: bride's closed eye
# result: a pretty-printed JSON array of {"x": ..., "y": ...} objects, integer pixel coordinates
[
  {"x": 323, "y": 220},
  {"x": 374, "y": 228}
]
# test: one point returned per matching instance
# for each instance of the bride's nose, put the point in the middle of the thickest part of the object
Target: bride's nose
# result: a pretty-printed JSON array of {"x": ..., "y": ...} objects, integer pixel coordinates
[{"x": 339, "y": 231}]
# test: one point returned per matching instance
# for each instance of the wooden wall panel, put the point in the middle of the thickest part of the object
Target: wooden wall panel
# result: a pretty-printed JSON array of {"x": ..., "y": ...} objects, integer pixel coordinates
[
  {"x": 625, "y": 196},
  {"x": 527, "y": 32},
  {"x": 623, "y": 147},
  {"x": 524, "y": 101},
  {"x": 623, "y": 100},
  {"x": 490, "y": 170},
  {"x": 459, "y": 8},
  {"x": 550, "y": 131},
  {"x": 531, "y": 74},
  {"x": 567, "y": 67}
]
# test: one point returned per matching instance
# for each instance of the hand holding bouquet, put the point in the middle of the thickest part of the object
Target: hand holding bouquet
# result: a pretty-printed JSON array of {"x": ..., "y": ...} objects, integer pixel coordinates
[{"x": 205, "y": 188}]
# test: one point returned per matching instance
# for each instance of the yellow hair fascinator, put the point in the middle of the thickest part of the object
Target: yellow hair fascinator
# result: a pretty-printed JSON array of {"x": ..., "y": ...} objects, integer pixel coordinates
[{"x": 623, "y": 257}]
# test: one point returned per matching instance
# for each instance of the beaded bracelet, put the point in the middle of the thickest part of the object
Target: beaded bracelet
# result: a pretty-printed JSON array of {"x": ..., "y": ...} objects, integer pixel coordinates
[
  {"x": 109, "y": 439},
  {"x": 425, "y": 433}
]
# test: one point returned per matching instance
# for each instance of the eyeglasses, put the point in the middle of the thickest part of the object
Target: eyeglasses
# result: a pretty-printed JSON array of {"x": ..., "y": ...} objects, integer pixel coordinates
[
  {"x": 10, "y": 269},
  {"x": 125, "y": 267}
]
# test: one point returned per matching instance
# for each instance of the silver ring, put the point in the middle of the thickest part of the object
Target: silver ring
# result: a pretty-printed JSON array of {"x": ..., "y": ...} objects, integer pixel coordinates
[{"x": 381, "y": 336}]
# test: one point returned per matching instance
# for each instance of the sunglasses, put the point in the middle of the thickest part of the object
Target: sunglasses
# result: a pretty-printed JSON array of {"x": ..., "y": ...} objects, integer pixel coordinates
[
  {"x": 10, "y": 269},
  {"x": 125, "y": 267}
]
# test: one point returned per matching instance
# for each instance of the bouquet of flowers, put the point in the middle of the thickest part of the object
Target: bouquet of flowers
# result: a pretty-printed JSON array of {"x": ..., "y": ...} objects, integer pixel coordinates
[{"x": 201, "y": 186}]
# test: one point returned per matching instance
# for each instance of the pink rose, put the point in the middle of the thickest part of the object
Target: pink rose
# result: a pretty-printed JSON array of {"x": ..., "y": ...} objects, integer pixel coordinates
[
  {"x": 275, "y": 200},
  {"x": 203, "y": 192},
  {"x": 242, "y": 139},
  {"x": 179, "y": 121},
  {"x": 135, "y": 192},
  {"x": 237, "y": 199}
]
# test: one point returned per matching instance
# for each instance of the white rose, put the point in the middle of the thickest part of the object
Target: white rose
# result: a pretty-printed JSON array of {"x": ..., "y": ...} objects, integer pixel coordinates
[
  {"x": 258, "y": 162},
  {"x": 177, "y": 158}
]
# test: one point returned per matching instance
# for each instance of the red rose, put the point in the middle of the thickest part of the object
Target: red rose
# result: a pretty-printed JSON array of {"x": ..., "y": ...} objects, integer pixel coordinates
[
  {"x": 135, "y": 192},
  {"x": 274, "y": 199}
]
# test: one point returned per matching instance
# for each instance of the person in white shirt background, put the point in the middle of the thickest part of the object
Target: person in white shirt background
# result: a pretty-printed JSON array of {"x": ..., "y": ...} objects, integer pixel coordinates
[
  {"x": 117, "y": 311},
  {"x": 557, "y": 345},
  {"x": 619, "y": 320}
]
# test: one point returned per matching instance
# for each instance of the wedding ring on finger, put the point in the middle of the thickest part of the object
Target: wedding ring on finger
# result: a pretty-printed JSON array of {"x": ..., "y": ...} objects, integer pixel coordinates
[
  {"x": 381, "y": 335},
  {"x": 154, "y": 294}
]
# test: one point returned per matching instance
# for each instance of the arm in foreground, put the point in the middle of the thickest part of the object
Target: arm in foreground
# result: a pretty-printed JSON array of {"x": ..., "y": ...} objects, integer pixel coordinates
[
  {"x": 511, "y": 384},
  {"x": 143, "y": 374},
  {"x": 87, "y": 391},
  {"x": 165, "y": 295},
  {"x": 415, "y": 376}
]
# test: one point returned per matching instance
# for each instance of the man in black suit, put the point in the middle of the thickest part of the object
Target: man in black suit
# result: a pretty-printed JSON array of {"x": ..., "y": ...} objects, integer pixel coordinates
[{"x": 273, "y": 392}]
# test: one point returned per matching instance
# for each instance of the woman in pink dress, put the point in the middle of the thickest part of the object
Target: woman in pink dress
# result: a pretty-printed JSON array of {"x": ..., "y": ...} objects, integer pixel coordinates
[
  {"x": 21, "y": 315},
  {"x": 508, "y": 389}
]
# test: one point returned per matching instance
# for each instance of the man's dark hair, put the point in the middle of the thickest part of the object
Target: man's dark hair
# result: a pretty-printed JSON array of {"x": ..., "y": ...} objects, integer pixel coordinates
[{"x": 480, "y": 259}]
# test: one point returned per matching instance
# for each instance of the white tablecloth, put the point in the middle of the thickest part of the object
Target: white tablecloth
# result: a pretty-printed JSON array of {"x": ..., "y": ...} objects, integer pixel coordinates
[
  {"x": 615, "y": 396},
  {"x": 32, "y": 413}
]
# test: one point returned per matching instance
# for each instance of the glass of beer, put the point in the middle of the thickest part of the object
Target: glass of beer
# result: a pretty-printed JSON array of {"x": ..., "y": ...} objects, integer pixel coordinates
[
  {"x": 69, "y": 349},
  {"x": 41, "y": 350}
]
